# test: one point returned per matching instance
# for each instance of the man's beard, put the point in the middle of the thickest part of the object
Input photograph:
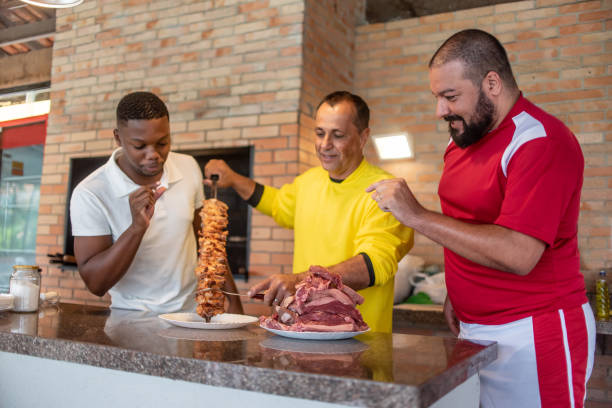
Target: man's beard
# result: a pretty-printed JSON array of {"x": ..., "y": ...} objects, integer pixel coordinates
[{"x": 482, "y": 121}]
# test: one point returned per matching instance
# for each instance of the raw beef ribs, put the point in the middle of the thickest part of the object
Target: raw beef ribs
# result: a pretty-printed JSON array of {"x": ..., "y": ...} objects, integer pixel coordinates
[{"x": 321, "y": 303}]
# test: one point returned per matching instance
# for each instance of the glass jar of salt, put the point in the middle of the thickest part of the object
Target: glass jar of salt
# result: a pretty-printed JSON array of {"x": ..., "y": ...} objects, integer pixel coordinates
[{"x": 24, "y": 284}]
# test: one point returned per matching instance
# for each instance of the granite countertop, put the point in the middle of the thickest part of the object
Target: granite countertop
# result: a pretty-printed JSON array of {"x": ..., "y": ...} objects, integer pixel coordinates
[
  {"x": 373, "y": 369},
  {"x": 604, "y": 327},
  {"x": 407, "y": 314}
]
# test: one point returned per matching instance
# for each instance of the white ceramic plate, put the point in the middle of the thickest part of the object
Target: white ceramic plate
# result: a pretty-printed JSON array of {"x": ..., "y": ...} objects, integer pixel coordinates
[
  {"x": 345, "y": 346},
  {"x": 220, "y": 321},
  {"x": 315, "y": 335},
  {"x": 206, "y": 335}
]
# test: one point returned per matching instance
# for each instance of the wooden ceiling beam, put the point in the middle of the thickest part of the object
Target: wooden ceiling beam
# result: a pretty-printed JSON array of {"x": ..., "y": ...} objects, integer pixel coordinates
[
  {"x": 23, "y": 69},
  {"x": 12, "y": 4},
  {"x": 27, "y": 32}
]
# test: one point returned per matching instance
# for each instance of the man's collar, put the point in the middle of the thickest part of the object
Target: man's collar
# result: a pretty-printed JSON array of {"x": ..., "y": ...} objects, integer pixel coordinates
[
  {"x": 352, "y": 176},
  {"x": 171, "y": 173}
]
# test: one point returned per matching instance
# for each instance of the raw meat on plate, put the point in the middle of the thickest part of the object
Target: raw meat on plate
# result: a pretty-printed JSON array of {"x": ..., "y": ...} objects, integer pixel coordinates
[{"x": 321, "y": 304}]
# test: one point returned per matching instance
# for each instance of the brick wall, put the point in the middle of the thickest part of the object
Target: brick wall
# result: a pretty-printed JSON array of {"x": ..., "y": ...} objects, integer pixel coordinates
[
  {"x": 230, "y": 73},
  {"x": 236, "y": 73},
  {"x": 231, "y": 76},
  {"x": 560, "y": 54},
  {"x": 329, "y": 47}
]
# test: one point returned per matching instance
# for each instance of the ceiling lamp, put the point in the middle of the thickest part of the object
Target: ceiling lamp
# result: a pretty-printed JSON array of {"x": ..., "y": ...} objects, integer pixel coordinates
[
  {"x": 53, "y": 3},
  {"x": 390, "y": 147}
]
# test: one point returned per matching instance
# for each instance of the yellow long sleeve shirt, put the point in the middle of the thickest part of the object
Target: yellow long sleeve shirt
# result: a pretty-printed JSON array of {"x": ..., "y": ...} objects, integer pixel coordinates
[{"x": 334, "y": 221}]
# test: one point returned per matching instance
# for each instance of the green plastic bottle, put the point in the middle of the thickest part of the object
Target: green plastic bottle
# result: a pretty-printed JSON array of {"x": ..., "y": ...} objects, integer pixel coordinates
[{"x": 602, "y": 297}]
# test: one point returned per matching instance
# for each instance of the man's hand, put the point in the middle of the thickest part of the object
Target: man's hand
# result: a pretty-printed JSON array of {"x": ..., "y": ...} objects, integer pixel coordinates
[
  {"x": 449, "y": 315},
  {"x": 277, "y": 287},
  {"x": 142, "y": 204},
  {"x": 244, "y": 186},
  {"x": 220, "y": 167},
  {"x": 394, "y": 195}
]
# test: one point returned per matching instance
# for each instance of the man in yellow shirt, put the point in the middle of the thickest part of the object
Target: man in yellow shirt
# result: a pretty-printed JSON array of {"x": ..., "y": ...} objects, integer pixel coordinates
[{"x": 335, "y": 222}]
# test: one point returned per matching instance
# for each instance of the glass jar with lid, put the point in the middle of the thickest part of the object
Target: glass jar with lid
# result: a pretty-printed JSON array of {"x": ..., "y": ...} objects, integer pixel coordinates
[{"x": 24, "y": 285}]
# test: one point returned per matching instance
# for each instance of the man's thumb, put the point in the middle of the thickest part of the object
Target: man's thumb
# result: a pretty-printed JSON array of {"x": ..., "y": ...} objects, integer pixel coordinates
[{"x": 160, "y": 190}]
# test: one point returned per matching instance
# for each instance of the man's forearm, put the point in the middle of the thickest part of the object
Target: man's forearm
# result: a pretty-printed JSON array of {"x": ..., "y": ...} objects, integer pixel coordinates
[
  {"x": 486, "y": 244},
  {"x": 244, "y": 186},
  {"x": 354, "y": 272},
  {"x": 489, "y": 245},
  {"x": 104, "y": 269}
]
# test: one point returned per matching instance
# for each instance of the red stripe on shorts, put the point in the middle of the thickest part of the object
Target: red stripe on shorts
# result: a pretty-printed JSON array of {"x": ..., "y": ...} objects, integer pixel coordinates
[{"x": 550, "y": 360}]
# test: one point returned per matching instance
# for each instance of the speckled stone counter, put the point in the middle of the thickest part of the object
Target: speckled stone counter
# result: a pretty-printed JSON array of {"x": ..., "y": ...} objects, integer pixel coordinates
[
  {"x": 372, "y": 369},
  {"x": 415, "y": 314},
  {"x": 604, "y": 327}
]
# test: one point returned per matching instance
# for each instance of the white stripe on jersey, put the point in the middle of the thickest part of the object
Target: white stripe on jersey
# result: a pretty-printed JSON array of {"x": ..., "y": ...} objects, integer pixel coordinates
[{"x": 527, "y": 128}]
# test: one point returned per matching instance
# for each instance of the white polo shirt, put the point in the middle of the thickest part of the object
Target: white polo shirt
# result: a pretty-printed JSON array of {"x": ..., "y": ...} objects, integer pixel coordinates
[{"x": 161, "y": 277}]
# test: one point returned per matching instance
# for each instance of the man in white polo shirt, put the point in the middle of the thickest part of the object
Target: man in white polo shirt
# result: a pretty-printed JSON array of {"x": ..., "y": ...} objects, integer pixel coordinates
[{"x": 135, "y": 219}]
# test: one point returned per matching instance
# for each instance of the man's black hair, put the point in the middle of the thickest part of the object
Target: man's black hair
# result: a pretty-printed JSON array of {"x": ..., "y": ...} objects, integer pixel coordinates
[
  {"x": 362, "y": 117},
  {"x": 141, "y": 105},
  {"x": 480, "y": 53}
]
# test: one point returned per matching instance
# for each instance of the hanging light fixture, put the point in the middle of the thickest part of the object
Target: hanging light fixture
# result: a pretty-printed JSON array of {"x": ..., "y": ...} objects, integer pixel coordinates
[
  {"x": 397, "y": 146},
  {"x": 53, "y": 3}
]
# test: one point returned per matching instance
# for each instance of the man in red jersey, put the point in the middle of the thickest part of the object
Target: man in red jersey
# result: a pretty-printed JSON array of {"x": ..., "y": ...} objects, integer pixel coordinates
[{"x": 510, "y": 197}]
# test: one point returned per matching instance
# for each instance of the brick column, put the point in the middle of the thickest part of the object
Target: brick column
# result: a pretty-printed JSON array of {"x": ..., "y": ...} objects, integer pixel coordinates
[{"x": 230, "y": 75}]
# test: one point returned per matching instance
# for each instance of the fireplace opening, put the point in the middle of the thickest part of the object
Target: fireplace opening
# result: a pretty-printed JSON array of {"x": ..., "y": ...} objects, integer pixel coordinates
[{"x": 238, "y": 158}]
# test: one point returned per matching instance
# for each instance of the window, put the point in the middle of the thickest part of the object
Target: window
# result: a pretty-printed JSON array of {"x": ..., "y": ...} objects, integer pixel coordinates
[{"x": 20, "y": 172}]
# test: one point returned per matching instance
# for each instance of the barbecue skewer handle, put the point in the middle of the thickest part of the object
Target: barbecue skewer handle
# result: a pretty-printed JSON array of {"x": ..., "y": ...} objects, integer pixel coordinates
[{"x": 214, "y": 178}]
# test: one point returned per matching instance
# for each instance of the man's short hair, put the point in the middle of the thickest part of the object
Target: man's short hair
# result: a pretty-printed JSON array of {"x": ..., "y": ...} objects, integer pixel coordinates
[
  {"x": 141, "y": 105},
  {"x": 362, "y": 116},
  {"x": 480, "y": 53}
]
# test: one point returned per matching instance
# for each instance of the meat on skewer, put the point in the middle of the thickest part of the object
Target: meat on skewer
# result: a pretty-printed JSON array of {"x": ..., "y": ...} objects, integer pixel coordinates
[{"x": 212, "y": 260}]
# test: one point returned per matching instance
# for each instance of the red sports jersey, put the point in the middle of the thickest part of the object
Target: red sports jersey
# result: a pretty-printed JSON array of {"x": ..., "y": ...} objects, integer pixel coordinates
[{"x": 525, "y": 175}]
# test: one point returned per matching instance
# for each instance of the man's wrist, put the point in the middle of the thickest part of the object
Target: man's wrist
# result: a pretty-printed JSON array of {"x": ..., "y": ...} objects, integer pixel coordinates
[
  {"x": 418, "y": 220},
  {"x": 136, "y": 230},
  {"x": 255, "y": 197}
]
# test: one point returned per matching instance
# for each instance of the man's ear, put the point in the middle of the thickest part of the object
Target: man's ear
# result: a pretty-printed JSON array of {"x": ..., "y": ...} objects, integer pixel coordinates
[
  {"x": 492, "y": 84},
  {"x": 363, "y": 137},
  {"x": 116, "y": 136}
]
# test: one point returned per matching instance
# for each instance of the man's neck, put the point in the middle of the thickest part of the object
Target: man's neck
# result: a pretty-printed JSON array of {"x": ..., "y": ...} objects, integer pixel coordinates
[
  {"x": 338, "y": 178},
  {"x": 506, "y": 103}
]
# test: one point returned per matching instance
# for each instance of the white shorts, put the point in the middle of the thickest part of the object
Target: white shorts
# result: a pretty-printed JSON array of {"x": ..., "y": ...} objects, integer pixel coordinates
[{"x": 542, "y": 361}]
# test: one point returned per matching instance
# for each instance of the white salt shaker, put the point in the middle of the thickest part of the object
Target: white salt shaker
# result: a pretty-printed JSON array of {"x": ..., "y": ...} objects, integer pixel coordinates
[{"x": 24, "y": 285}]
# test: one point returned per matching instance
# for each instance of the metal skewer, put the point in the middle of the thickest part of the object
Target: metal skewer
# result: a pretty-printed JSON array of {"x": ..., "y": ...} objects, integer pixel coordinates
[
  {"x": 214, "y": 178},
  {"x": 257, "y": 296}
]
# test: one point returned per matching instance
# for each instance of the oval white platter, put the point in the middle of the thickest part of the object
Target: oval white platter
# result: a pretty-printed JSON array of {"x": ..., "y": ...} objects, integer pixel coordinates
[
  {"x": 344, "y": 346},
  {"x": 316, "y": 335},
  {"x": 220, "y": 321}
]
